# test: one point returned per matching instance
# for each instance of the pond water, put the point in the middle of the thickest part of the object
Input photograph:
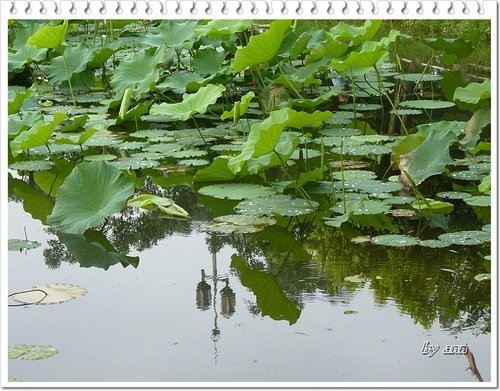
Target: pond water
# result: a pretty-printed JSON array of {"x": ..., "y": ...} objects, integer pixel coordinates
[{"x": 144, "y": 324}]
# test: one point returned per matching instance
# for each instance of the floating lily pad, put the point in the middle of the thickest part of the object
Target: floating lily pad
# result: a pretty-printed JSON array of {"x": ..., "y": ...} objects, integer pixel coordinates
[
  {"x": 99, "y": 158},
  {"x": 483, "y": 277},
  {"x": 465, "y": 175},
  {"x": 152, "y": 134},
  {"x": 187, "y": 153},
  {"x": 364, "y": 207},
  {"x": 283, "y": 205},
  {"x": 426, "y": 104},
  {"x": 194, "y": 162},
  {"x": 478, "y": 201},
  {"x": 466, "y": 238},
  {"x": 353, "y": 175},
  {"x": 306, "y": 153},
  {"x": 31, "y": 165},
  {"x": 454, "y": 195},
  {"x": 21, "y": 244},
  {"x": 395, "y": 240},
  {"x": 340, "y": 132},
  {"x": 433, "y": 243},
  {"x": 134, "y": 163},
  {"x": 433, "y": 207},
  {"x": 360, "y": 106},
  {"x": 31, "y": 352},
  {"x": 236, "y": 191},
  {"x": 361, "y": 239},
  {"x": 402, "y": 212},
  {"x": 356, "y": 279},
  {"x": 362, "y": 150},
  {"x": 241, "y": 224},
  {"x": 50, "y": 294},
  {"x": 418, "y": 77},
  {"x": 370, "y": 186},
  {"x": 486, "y": 228},
  {"x": 406, "y": 112},
  {"x": 399, "y": 200}
]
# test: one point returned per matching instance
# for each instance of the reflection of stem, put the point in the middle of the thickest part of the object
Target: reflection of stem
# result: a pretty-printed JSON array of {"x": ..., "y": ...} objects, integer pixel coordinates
[
  {"x": 27, "y": 291},
  {"x": 289, "y": 84},
  {"x": 199, "y": 130},
  {"x": 342, "y": 172},
  {"x": 300, "y": 189}
]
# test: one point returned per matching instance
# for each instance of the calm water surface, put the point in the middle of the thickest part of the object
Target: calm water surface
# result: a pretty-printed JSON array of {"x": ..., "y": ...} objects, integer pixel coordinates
[{"x": 144, "y": 325}]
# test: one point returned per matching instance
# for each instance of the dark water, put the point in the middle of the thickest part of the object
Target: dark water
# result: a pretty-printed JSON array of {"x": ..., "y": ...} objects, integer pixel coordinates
[{"x": 144, "y": 325}]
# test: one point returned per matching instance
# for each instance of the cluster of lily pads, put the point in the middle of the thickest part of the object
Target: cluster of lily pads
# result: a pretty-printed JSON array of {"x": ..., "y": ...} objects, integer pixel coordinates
[{"x": 248, "y": 114}]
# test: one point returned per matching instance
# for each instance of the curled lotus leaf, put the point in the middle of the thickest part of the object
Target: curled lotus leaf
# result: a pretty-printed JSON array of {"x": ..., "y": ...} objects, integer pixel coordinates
[
  {"x": 31, "y": 165},
  {"x": 395, "y": 240},
  {"x": 49, "y": 294},
  {"x": 241, "y": 224}
]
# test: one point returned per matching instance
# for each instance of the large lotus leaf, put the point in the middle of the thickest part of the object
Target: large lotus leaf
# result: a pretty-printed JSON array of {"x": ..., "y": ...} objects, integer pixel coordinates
[
  {"x": 92, "y": 192},
  {"x": 49, "y": 37},
  {"x": 221, "y": 28},
  {"x": 31, "y": 352},
  {"x": 355, "y": 35},
  {"x": 49, "y": 294},
  {"x": 191, "y": 103},
  {"x": 426, "y": 104},
  {"x": 466, "y": 238},
  {"x": 283, "y": 205},
  {"x": 151, "y": 202},
  {"x": 173, "y": 33},
  {"x": 242, "y": 107},
  {"x": 271, "y": 299},
  {"x": 427, "y": 159},
  {"x": 237, "y": 191},
  {"x": 25, "y": 55},
  {"x": 241, "y": 224},
  {"x": 92, "y": 249},
  {"x": 140, "y": 73},
  {"x": 21, "y": 244},
  {"x": 473, "y": 92},
  {"x": 453, "y": 49},
  {"x": 261, "y": 48},
  {"x": 76, "y": 57},
  {"x": 38, "y": 135},
  {"x": 208, "y": 61}
]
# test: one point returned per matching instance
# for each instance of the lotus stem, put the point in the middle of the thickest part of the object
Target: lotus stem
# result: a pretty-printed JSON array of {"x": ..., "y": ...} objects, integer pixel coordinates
[{"x": 68, "y": 76}]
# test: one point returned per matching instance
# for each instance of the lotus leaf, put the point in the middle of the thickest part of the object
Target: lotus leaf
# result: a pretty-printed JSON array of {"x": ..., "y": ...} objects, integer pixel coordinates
[
  {"x": 194, "y": 162},
  {"x": 92, "y": 192},
  {"x": 191, "y": 103},
  {"x": 133, "y": 163},
  {"x": 25, "y": 55},
  {"x": 49, "y": 37},
  {"x": 151, "y": 202},
  {"x": 485, "y": 185},
  {"x": 97, "y": 158},
  {"x": 31, "y": 352},
  {"x": 221, "y": 28},
  {"x": 454, "y": 195},
  {"x": 240, "y": 224},
  {"x": 466, "y": 238},
  {"x": 21, "y": 244},
  {"x": 355, "y": 35},
  {"x": 426, "y": 104},
  {"x": 31, "y": 165},
  {"x": 395, "y": 240},
  {"x": 49, "y": 294},
  {"x": 183, "y": 82},
  {"x": 465, "y": 175},
  {"x": 242, "y": 108},
  {"x": 208, "y": 61},
  {"x": 173, "y": 33},
  {"x": 271, "y": 299},
  {"x": 478, "y": 201},
  {"x": 433, "y": 243},
  {"x": 74, "y": 61},
  {"x": 16, "y": 104},
  {"x": 282, "y": 205},
  {"x": 35, "y": 202},
  {"x": 362, "y": 150},
  {"x": 261, "y": 48},
  {"x": 363, "y": 207},
  {"x": 473, "y": 92},
  {"x": 483, "y": 277},
  {"x": 236, "y": 191},
  {"x": 433, "y": 207},
  {"x": 418, "y": 77}
]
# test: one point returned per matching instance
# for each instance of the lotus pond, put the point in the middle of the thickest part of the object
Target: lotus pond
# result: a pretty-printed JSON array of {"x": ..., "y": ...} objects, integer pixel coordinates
[{"x": 246, "y": 201}]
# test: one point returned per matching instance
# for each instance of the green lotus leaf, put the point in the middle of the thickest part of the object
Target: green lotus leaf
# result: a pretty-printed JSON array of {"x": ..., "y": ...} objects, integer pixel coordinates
[
  {"x": 478, "y": 201},
  {"x": 360, "y": 106},
  {"x": 473, "y": 127},
  {"x": 353, "y": 175},
  {"x": 485, "y": 185},
  {"x": 369, "y": 186},
  {"x": 140, "y": 73},
  {"x": 93, "y": 249},
  {"x": 236, "y": 191},
  {"x": 25, "y": 55},
  {"x": 433, "y": 243},
  {"x": 78, "y": 138},
  {"x": 31, "y": 352},
  {"x": 362, "y": 150},
  {"x": 21, "y": 244},
  {"x": 75, "y": 124},
  {"x": 395, "y": 240},
  {"x": 466, "y": 238},
  {"x": 191, "y": 103},
  {"x": 92, "y": 192},
  {"x": 261, "y": 48},
  {"x": 217, "y": 171},
  {"x": 399, "y": 200},
  {"x": 35, "y": 202},
  {"x": 243, "y": 106},
  {"x": 172, "y": 33},
  {"x": 38, "y": 135},
  {"x": 425, "y": 104},
  {"x": 240, "y": 224},
  {"x": 16, "y": 104},
  {"x": 483, "y": 277},
  {"x": 473, "y": 92},
  {"x": 418, "y": 77},
  {"x": 133, "y": 163},
  {"x": 454, "y": 195},
  {"x": 31, "y": 165},
  {"x": 283, "y": 205},
  {"x": 406, "y": 112},
  {"x": 151, "y": 202},
  {"x": 76, "y": 58},
  {"x": 208, "y": 61},
  {"x": 49, "y": 294},
  {"x": 363, "y": 207},
  {"x": 49, "y": 37},
  {"x": 98, "y": 158},
  {"x": 355, "y": 35},
  {"x": 221, "y": 28},
  {"x": 305, "y": 153},
  {"x": 430, "y": 206},
  {"x": 465, "y": 175},
  {"x": 271, "y": 299},
  {"x": 183, "y": 82},
  {"x": 311, "y": 104}
]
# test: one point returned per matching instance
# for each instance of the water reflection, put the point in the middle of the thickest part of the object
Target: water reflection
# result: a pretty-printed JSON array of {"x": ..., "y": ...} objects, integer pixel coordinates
[{"x": 295, "y": 258}]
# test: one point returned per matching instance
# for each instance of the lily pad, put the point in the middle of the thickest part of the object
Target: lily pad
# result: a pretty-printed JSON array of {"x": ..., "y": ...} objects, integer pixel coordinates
[
  {"x": 283, "y": 205},
  {"x": 240, "y": 224},
  {"x": 92, "y": 192},
  {"x": 483, "y": 277},
  {"x": 50, "y": 294},
  {"x": 426, "y": 104},
  {"x": 99, "y": 158},
  {"x": 433, "y": 207},
  {"x": 31, "y": 352},
  {"x": 237, "y": 191},
  {"x": 395, "y": 240},
  {"x": 21, "y": 244},
  {"x": 478, "y": 201},
  {"x": 466, "y": 238},
  {"x": 454, "y": 195},
  {"x": 433, "y": 243},
  {"x": 31, "y": 165},
  {"x": 356, "y": 279},
  {"x": 465, "y": 175}
]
